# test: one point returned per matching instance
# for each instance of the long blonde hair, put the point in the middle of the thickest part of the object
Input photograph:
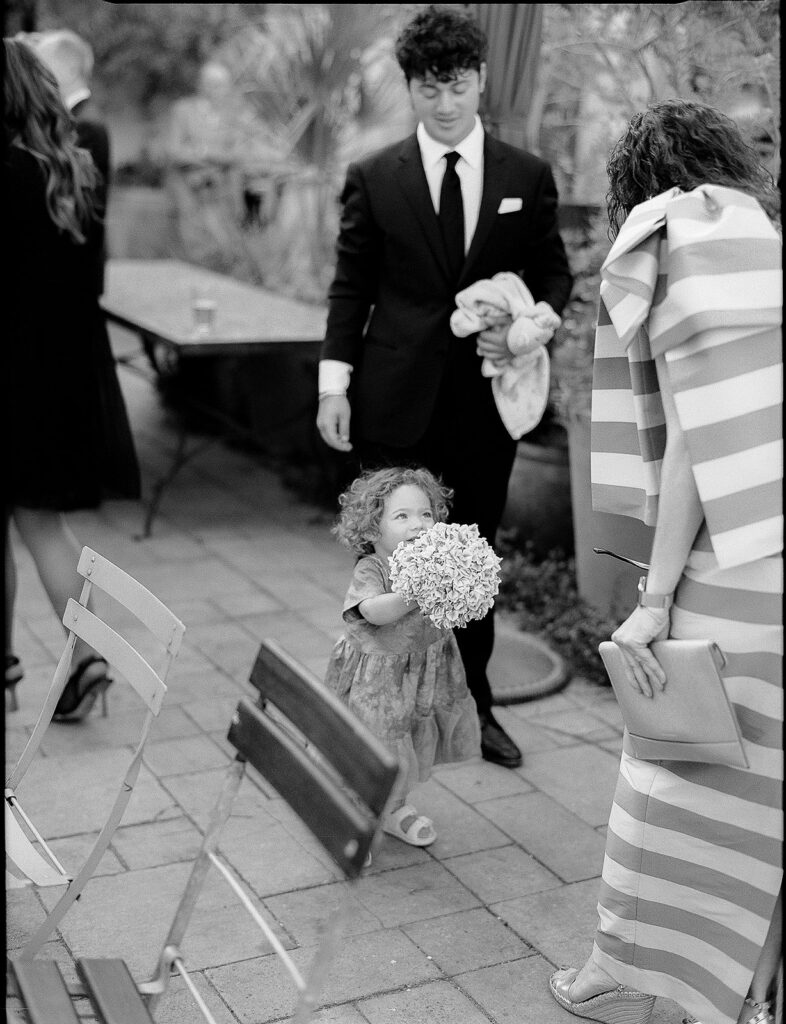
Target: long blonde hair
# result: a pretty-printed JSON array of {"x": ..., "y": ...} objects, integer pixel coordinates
[{"x": 37, "y": 121}]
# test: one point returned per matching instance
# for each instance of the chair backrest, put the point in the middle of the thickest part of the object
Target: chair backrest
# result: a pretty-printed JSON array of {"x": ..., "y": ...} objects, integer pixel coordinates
[
  {"x": 334, "y": 774},
  {"x": 26, "y": 849}
]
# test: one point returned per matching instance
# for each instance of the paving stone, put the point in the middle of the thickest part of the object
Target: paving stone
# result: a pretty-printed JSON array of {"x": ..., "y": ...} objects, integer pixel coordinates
[
  {"x": 196, "y": 794},
  {"x": 501, "y": 873},
  {"x": 412, "y": 894},
  {"x": 259, "y": 990},
  {"x": 160, "y": 842},
  {"x": 560, "y": 924},
  {"x": 515, "y": 993},
  {"x": 460, "y": 828},
  {"x": 210, "y": 714},
  {"x": 268, "y": 857},
  {"x": 179, "y": 756},
  {"x": 177, "y": 1005},
  {"x": 559, "y": 840},
  {"x": 237, "y": 606},
  {"x": 303, "y": 913},
  {"x": 129, "y": 915},
  {"x": 436, "y": 1003},
  {"x": 466, "y": 940},
  {"x": 206, "y": 684},
  {"x": 346, "y": 1014},
  {"x": 478, "y": 780},
  {"x": 74, "y": 851},
  {"x": 577, "y": 723},
  {"x": 197, "y": 613},
  {"x": 581, "y": 779},
  {"x": 70, "y": 795}
]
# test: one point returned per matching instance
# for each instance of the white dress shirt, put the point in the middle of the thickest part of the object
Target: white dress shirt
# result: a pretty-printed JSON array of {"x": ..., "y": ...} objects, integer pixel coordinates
[{"x": 334, "y": 373}]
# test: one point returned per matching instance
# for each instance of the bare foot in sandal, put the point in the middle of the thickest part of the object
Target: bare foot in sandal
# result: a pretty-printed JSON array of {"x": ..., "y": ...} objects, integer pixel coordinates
[{"x": 410, "y": 827}]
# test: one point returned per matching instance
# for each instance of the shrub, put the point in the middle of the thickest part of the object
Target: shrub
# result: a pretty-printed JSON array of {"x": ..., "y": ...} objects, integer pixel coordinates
[{"x": 543, "y": 595}]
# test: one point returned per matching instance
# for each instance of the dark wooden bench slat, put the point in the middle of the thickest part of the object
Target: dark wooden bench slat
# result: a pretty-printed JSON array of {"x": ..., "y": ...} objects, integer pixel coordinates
[
  {"x": 324, "y": 807},
  {"x": 113, "y": 991},
  {"x": 44, "y": 992},
  {"x": 358, "y": 756}
]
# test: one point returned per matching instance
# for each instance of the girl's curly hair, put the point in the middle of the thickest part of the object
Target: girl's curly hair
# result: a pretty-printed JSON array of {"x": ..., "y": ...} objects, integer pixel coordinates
[
  {"x": 362, "y": 503},
  {"x": 440, "y": 41},
  {"x": 687, "y": 144}
]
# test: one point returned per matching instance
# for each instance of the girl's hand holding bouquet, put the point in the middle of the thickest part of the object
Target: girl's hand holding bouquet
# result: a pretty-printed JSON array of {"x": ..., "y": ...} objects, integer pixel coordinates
[{"x": 450, "y": 571}]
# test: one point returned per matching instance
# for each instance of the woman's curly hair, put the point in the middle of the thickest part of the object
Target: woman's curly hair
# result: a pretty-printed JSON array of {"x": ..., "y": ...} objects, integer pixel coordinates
[
  {"x": 357, "y": 526},
  {"x": 687, "y": 144},
  {"x": 440, "y": 41},
  {"x": 37, "y": 121}
]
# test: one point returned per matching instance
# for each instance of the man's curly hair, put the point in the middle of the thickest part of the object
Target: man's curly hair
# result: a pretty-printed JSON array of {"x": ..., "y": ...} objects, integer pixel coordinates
[
  {"x": 357, "y": 526},
  {"x": 687, "y": 144},
  {"x": 440, "y": 41}
]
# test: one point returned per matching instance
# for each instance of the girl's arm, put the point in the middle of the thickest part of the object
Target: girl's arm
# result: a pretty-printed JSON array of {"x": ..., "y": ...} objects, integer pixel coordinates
[
  {"x": 385, "y": 608},
  {"x": 679, "y": 518}
]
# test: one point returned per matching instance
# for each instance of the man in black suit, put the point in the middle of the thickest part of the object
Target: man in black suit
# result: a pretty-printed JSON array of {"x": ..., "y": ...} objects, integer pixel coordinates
[{"x": 421, "y": 220}]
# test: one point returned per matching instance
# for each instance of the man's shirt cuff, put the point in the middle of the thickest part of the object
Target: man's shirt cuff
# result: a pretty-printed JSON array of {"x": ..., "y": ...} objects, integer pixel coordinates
[{"x": 333, "y": 377}]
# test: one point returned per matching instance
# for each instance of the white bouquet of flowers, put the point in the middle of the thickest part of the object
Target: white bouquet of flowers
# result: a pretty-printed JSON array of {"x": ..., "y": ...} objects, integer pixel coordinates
[{"x": 450, "y": 570}]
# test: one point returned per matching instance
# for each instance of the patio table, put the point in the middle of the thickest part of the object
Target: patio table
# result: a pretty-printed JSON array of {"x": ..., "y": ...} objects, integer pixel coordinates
[{"x": 160, "y": 301}]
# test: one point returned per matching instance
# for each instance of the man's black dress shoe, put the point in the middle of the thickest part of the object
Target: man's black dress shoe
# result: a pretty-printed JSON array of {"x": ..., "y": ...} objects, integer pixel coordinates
[{"x": 495, "y": 744}]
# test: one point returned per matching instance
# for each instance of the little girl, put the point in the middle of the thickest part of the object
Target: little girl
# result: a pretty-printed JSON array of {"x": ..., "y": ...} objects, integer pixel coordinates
[{"x": 400, "y": 674}]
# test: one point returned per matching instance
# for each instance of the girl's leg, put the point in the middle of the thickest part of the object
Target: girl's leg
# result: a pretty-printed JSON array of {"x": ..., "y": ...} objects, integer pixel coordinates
[{"x": 56, "y": 553}]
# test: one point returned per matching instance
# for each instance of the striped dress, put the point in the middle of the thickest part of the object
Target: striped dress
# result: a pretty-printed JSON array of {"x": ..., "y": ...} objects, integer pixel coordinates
[{"x": 692, "y": 869}]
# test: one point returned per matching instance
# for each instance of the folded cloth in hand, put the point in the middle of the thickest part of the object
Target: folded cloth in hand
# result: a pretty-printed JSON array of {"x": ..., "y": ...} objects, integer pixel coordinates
[{"x": 520, "y": 383}]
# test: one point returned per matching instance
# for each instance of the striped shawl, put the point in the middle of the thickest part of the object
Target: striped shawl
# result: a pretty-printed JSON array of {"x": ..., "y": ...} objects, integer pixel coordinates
[{"x": 696, "y": 277}]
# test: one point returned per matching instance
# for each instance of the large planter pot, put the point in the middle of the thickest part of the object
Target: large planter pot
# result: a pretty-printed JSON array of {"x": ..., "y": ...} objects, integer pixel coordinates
[
  {"x": 539, "y": 498},
  {"x": 606, "y": 583}
]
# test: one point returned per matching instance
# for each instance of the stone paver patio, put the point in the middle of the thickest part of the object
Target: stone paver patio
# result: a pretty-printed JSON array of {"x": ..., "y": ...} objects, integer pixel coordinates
[{"x": 464, "y": 932}]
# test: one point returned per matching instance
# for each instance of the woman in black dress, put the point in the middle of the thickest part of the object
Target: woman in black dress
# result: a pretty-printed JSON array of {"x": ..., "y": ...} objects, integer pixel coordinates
[{"x": 68, "y": 439}]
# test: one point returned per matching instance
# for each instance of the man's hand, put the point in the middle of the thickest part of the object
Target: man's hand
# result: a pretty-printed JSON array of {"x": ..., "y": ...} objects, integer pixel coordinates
[
  {"x": 493, "y": 342},
  {"x": 333, "y": 421}
]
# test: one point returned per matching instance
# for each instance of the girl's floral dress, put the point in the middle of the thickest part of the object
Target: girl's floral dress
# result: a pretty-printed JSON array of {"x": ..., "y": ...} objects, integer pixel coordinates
[{"x": 405, "y": 681}]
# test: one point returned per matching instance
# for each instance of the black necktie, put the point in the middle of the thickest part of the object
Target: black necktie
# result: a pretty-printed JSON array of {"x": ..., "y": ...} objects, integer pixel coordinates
[{"x": 451, "y": 216}]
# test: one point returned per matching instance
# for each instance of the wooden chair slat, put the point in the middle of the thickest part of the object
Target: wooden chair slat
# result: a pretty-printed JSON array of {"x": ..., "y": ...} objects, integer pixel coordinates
[
  {"x": 343, "y": 827},
  {"x": 44, "y": 992},
  {"x": 133, "y": 596},
  {"x": 113, "y": 991},
  {"x": 362, "y": 760},
  {"x": 118, "y": 652}
]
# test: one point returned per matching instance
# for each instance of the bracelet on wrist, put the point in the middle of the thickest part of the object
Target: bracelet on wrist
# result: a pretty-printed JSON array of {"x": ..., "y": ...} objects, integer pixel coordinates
[{"x": 648, "y": 600}]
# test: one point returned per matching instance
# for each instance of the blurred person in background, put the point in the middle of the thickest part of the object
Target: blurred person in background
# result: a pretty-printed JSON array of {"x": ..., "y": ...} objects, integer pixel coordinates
[
  {"x": 204, "y": 152},
  {"x": 69, "y": 439}
]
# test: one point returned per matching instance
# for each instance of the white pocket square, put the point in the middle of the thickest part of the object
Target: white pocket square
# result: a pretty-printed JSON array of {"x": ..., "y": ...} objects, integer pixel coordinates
[{"x": 510, "y": 205}]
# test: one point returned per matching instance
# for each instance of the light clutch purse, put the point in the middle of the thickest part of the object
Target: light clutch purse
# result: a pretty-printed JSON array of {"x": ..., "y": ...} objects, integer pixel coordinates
[{"x": 692, "y": 719}]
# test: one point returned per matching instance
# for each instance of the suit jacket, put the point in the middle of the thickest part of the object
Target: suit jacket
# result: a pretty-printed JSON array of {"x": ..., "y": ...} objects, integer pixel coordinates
[{"x": 392, "y": 294}]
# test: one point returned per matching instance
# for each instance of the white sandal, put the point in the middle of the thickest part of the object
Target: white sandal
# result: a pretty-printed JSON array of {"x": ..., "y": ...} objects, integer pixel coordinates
[{"x": 394, "y": 827}]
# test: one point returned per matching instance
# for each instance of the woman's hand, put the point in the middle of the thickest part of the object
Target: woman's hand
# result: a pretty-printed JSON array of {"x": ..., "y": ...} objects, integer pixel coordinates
[{"x": 633, "y": 637}]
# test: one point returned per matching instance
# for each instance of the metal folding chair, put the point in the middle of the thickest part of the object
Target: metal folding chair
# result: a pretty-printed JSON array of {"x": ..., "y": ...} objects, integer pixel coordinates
[
  {"x": 29, "y": 858},
  {"x": 331, "y": 771}
]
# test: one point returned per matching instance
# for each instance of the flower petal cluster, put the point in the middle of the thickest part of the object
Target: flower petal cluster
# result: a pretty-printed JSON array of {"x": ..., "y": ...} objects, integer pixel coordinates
[{"x": 450, "y": 570}]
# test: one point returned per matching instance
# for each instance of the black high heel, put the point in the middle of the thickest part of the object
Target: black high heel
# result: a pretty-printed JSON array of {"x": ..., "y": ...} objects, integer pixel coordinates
[
  {"x": 13, "y": 676},
  {"x": 76, "y": 701}
]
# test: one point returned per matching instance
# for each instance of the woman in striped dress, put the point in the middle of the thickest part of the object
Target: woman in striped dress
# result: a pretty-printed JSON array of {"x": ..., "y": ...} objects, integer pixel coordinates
[{"x": 686, "y": 436}]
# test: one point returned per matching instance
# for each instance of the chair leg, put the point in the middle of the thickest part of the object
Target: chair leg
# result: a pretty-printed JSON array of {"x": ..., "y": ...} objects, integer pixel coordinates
[
  {"x": 320, "y": 965},
  {"x": 156, "y": 987}
]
